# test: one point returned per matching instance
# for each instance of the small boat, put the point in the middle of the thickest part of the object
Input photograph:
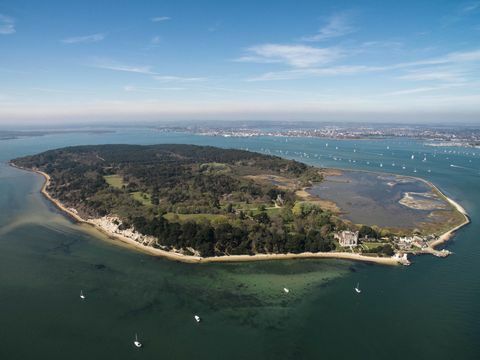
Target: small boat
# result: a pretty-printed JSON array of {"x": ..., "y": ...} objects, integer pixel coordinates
[
  {"x": 82, "y": 296},
  {"x": 357, "y": 288},
  {"x": 197, "y": 318},
  {"x": 137, "y": 343},
  {"x": 286, "y": 290}
]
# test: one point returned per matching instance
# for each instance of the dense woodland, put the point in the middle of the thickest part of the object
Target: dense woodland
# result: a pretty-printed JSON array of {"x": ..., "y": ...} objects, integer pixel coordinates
[{"x": 190, "y": 197}]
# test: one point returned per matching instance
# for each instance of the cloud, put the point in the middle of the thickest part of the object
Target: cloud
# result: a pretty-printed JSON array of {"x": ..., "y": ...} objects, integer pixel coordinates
[
  {"x": 169, "y": 78},
  {"x": 435, "y": 74},
  {"x": 462, "y": 12},
  {"x": 84, "y": 39},
  {"x": 7, "y": 25},
  {"x": 116, "y": 66},
  {"x": 316, "y": 72},
  {"x": 214, "y": 27},
  {"x": 160, "y": 18},
  {"x": 453, "y": 60},
  {"x": 470, "y": 7},
  {"x": 337, "y": 25},
  {"x": 421, "y": 89},
  {"x": 132, "y": 88},
  {"x": 156, "y": 40},
  {"x": 300, "y": 56}
]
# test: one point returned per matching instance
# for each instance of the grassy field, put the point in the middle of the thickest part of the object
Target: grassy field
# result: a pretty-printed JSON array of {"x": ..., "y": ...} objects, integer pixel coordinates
[
  {"x": 115, "y": 181},
  {"x": 194, "y": 217},
  {"x": 142, "y": 197},
  {"x": 370, "y": 245}
]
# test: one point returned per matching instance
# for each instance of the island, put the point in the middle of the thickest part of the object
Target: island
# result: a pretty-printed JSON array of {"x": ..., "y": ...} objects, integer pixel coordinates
[{"x": 206, "y": 204}]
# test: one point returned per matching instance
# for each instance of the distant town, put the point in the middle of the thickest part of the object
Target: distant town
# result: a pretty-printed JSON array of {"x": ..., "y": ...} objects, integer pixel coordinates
[{"x": 434, "y": 136}]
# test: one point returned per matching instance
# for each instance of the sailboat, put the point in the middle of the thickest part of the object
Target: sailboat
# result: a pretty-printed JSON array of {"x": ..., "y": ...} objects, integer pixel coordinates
[
  {"x": 357, "y": 288},
  {"x": 81, "y": 295},
  {"x": 137, "y": 343},
  {"x": 197, "y": 318}
]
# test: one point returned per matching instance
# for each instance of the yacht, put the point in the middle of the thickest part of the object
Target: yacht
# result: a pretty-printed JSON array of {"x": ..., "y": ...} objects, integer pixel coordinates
[
  {"x": 137, "y": 343},
  {"x": 82, "y": 296},
  {"x": 357, "y": 288},
  {"x": 286, "y": 290},
  {"x": 197, "y": 318}
]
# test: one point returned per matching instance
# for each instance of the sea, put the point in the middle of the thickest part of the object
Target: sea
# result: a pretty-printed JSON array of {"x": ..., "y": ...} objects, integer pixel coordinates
[{"x": 429, "y": 310}]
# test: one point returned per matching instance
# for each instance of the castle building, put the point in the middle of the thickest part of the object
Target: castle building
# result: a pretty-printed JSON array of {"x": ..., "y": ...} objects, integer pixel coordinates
[{"x": 347, "y": 238}]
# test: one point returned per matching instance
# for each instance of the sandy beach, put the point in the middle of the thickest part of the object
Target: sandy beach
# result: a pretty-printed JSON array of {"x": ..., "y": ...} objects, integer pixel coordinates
[{"x": 448, "y": 234}]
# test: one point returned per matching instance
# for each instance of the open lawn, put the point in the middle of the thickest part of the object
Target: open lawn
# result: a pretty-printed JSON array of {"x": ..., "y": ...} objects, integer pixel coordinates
[
  {"x": 115, "y": 181},
  {"x": 194, "y": 217},
  {"x": 142, "y": 197}
]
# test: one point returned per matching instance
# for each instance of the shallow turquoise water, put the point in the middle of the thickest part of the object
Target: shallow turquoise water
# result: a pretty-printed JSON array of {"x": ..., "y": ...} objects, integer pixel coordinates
[{"x": 428, "y": 310}]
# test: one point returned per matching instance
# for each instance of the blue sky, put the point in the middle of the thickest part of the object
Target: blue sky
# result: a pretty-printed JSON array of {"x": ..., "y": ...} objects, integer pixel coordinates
[{"x": 92, "y": 61}]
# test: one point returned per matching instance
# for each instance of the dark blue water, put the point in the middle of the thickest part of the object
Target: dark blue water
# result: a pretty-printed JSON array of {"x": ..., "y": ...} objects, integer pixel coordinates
[{"x": 429, "y": 310}]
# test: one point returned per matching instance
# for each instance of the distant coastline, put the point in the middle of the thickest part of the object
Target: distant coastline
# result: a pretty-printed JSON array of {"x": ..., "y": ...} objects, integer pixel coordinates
[{"x": 131, "y": 243}]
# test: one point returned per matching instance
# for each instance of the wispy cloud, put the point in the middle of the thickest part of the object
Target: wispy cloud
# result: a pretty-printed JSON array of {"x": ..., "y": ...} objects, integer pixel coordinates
[
  {"x": 170, "y": 78},
  {"x": 454, "y": 60},
  {"x": 436, "y": 74},
  {"x": 336, "y": 26},
  {"x": 156, "y": 40},
  {"x": 84, "y": 39},
  {"x": 316, "y": 72},
  {"x": 300, "y": 56},
  {"x": 470, "y": 7},
  {"x": 7, "y": 25},
  {"x": 116, "y": 66},
  {"x": 215, "y": 26},
  {"x": 132, "y": 88},
  {"x": 160, "y": 18},
  {"x": 421, "y": 90},
  {"x": 462, "y": 12}
]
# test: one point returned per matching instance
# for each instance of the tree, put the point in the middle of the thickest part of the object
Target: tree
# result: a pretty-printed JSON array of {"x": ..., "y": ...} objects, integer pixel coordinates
[{"x": 367, "y": 231}]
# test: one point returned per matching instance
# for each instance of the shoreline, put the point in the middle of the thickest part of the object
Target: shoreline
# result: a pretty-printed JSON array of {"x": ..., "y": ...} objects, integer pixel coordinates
[
  {"x": 171, "y": 255},
  {"x": 202, "y": 260}
]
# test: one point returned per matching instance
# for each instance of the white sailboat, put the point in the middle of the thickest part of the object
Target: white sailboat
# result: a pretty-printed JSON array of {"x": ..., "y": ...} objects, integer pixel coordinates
[
  {"x": 197, "y": 318},
  {"x": 82, "y": 296},
  {"x": 137, "y": 343},
  {"x": 357, "y": 288}
]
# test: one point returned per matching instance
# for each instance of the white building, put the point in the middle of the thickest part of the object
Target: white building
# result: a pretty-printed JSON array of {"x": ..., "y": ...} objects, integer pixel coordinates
[{"x": 347, "y": 238}]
